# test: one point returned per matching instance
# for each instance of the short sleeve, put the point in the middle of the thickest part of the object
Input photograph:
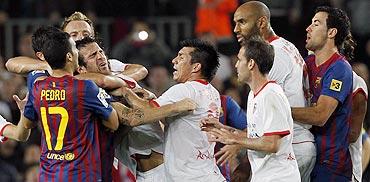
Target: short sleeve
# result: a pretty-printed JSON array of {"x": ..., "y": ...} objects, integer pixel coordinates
[
  {"x": 236, "y": 117},
  {"x": 29, "y": 111},
  {"x": 116, "y": 65},
  {"x": 337, "y": 81},
  {"x": 33, "y": 75},
  {"x": 275, "y": 117},
  {"x": 97, "y": 100},
  {"x": 173, "y": 94}
]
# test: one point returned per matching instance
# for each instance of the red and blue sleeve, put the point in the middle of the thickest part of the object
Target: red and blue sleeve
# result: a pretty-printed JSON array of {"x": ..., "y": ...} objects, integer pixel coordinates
[{"x": 338, "y": 81}]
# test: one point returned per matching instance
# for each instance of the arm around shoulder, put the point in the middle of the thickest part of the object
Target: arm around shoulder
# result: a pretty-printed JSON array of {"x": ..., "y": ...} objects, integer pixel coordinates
[
  {"x": 23, "y": 65},
  {"x": 316, "y": 115}
]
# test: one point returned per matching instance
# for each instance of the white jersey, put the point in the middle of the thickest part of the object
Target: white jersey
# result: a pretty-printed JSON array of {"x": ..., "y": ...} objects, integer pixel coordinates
[
  {"x": 359, "y": 86},
  {"x": 269, "y": 114},
  {"x": 188, "y": 155},
  {"x": 288, "y": 72}
]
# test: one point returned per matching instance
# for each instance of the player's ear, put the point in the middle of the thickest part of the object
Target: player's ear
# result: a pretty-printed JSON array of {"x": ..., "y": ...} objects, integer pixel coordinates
[
  {"x": 69, "y": 56},
  {"x": 40, "y": 55},
  {"x": 262, "y": 22},
  {"x": 81, "y": 69},
  {"x": 251, "y": 64},
  {"x": 332, "y": 32},
  {"x": 196, "y": 67}
]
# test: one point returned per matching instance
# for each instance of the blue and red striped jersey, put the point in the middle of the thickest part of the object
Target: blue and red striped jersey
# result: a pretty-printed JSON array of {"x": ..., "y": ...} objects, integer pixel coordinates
[
  {"x": 334, "y": 79},
  {"x": 68, "y": 110},
  {"x": 234, "y": 116},
  {"x": 106, "y": 139}
]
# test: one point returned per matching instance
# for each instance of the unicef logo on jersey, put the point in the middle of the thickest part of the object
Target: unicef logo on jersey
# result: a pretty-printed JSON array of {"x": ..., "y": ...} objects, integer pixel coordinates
[{"x": 67, "y": 156}]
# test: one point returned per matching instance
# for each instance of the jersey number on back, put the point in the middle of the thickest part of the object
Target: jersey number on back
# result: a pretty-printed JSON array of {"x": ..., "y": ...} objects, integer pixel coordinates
[{"x": 62, "y": 126}]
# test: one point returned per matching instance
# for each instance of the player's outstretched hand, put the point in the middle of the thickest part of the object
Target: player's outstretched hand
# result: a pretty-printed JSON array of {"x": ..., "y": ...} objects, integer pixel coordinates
[
  {"x": 210, "y": 122},
  {"x": 21, "y": 103},
  {"x": 227, "y": 153}
]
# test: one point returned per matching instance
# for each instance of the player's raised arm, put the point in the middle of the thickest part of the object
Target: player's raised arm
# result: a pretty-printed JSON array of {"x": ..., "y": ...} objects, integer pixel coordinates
[
  {"x": 144, "y": 111},
  {"x": 104, "y": 81},
  {"x": 135, "y": 71},
  {"x": 23, "y": 65}
]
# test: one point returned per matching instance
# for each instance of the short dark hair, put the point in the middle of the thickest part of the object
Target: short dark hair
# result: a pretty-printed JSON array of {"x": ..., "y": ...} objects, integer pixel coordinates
[
  {"x": 261, "y": 52},
  {"x": 82, "y": 43},
  {"x": 88, "y": 40},
  {"x": 205, "y": 54},
  {"x": 53, "y": 43},
  {"x": 338, "y": 19}
]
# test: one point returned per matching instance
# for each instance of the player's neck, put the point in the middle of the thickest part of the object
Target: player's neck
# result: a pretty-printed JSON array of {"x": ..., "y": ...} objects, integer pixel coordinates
[
  {"x": 194, "y": 77},
  {"x": 323, "y": 54},
  {"x": 268, "y": 34},
  {"x": 257, "y": 82},
  {"x": 61, "y": 73}
]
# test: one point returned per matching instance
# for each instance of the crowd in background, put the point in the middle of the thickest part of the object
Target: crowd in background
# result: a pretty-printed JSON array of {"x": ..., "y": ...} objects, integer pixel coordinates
[{"x": 211, "y": 20}]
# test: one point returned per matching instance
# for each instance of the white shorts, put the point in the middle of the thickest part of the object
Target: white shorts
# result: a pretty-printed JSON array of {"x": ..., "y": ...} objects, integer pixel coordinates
[
  {"x": 154, "y": 175},
  {"x": 305, "y": 154}
]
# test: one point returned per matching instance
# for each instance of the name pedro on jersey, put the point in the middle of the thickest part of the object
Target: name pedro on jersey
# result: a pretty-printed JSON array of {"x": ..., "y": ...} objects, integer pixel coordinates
[{"x": 51, "y": 95}]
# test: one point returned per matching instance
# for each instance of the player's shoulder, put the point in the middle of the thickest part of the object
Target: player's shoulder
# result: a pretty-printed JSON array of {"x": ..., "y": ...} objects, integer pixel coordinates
[{"x": 341, "y": 65}]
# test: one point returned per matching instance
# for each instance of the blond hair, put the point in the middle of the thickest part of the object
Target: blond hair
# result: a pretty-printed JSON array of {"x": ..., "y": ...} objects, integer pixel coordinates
[{"x": 77, "y": 16}]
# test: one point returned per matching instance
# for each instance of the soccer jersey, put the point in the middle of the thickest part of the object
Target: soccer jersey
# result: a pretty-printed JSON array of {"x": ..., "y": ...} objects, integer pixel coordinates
[
  {"x": 68, "y": 110},
  {"x": 269, "y": 114},
  {"x": 289, "y": 72},
  {"x": 359, "y": 87},
  {"x": 333, "y": 78},
  {"x": 234, "y": 116},
  {"x": 188, "y": 155}
]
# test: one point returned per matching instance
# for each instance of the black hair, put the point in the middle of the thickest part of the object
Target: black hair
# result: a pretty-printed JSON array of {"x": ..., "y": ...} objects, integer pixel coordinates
[
  {"x": 53, "y": 43},
  {"x": 205, "y": 54},
  {"x": 261, "y": 52},
  {"x": 338, "y": 19}
]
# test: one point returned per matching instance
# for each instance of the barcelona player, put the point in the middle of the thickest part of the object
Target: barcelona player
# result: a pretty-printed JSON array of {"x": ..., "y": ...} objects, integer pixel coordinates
[
  {"x": 68, "y": 110},
  {"x": 330, "y": 77}
]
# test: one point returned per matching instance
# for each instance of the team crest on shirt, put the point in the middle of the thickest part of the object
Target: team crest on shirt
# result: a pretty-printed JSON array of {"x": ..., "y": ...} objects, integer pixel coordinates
[
  {"x": 335, "y": 85},
  {"x": 102, "y": 96}
]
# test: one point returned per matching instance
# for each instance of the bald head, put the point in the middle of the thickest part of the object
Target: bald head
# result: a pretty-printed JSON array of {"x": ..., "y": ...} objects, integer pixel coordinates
[
  {"x": 251, "y": 19},
  {"x": 256, "y": 8}
]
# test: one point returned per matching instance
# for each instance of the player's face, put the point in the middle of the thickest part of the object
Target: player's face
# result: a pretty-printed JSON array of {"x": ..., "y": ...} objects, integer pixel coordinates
[
  {"x": 182, "y": 65},
  {"x": 79, "y": 29},
  {"x": 245, "y": 24},
  {"x": 95, "y": 59},
  {"x": 74, "y": 53},
  {"x": 242, "y": 66},
  {"x": 317, "y": 32}
]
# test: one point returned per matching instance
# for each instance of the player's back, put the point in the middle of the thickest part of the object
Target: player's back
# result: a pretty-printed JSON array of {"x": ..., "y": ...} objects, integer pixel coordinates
[
  {"x": 68, "y": 110},
  {"x": 288, "y": 72}
]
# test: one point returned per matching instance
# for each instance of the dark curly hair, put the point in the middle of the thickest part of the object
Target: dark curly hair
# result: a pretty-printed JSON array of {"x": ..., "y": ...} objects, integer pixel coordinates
[{"x": 338, "y": 19}]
